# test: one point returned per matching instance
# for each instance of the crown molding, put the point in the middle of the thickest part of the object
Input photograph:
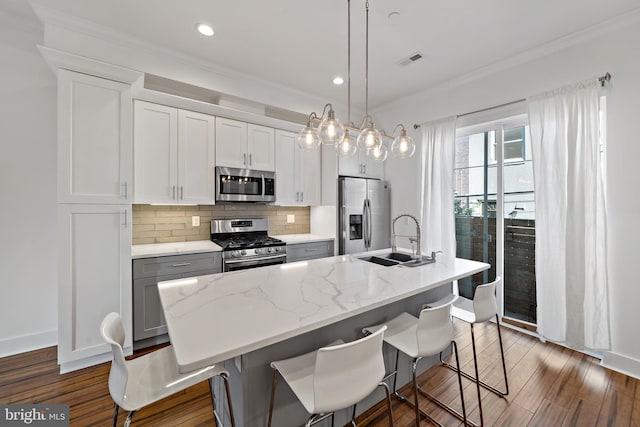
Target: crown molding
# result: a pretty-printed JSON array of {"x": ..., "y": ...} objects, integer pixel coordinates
[
  {"x": 578, "y": 37},
  {"x": 52, "y": 17},
  {"x": 68, "y": 61}
]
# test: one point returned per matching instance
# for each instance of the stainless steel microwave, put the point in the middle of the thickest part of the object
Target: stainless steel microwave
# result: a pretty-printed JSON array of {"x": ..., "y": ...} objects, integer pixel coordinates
[{"x": 245, "y": 185}]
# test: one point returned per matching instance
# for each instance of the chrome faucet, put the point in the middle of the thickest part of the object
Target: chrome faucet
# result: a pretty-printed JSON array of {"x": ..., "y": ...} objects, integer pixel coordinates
[{"x": 413, "y": 239}]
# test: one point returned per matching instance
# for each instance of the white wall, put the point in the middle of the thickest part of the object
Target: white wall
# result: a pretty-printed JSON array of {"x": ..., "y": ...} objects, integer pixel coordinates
[
  {"x": 28, "y": 305},
  {"x": 614, "y": 48}
]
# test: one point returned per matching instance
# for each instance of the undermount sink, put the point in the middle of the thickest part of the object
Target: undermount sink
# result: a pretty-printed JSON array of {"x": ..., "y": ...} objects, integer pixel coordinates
[
  {"x": 380, "y": 261},
  {"x": 398, "y": 258}
]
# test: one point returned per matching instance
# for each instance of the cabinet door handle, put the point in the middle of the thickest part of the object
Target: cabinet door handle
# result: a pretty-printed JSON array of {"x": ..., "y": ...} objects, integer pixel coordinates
[
  {"x": 244, "y": 159},
  {"x": 297, "y": 196},
  {"x": 181, "y": 264},
  {"x": 250, "y": 159},
  {"x": 173, "y": 193},
  {"x": 125, "y": 218},
  {"x": 364, "y": 167},
  {"x": 181, "y": 192},
  {"x": 302, "y": 196},
  {"x": 126, "y": 190}
]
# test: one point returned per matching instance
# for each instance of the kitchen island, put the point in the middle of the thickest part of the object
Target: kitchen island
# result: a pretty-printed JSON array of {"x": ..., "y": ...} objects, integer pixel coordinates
[{"x": 244, "y": 319}]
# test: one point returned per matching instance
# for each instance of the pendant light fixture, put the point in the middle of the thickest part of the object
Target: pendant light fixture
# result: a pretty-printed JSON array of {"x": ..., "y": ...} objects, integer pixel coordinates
[
  {"x": 330, "y": 131},
  {"x": 402, "y": 146}
]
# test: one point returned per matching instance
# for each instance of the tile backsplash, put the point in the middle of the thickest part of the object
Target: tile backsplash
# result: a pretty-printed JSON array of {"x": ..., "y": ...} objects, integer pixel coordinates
[{"x": 164, "y": 224}]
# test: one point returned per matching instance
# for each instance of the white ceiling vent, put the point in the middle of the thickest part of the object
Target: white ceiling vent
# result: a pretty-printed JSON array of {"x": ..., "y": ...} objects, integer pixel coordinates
[{"x": 410, "y": 59}]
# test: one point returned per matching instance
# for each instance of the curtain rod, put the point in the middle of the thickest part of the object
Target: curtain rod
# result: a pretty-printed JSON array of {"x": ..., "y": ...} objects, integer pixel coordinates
[{"x": 602, "y": 79}]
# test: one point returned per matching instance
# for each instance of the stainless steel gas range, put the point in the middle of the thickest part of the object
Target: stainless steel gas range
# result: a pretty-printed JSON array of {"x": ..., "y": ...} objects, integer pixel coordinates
[{"x": 246, "y": 244}]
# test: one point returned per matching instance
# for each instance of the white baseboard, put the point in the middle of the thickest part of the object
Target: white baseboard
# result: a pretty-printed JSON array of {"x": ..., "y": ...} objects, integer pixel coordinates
[
  {"x": 84, "y": 363},
  {"x": 624, "y": 364},
  {"x": 74, "y": 365},
  {"x": 17, "y": 345}
]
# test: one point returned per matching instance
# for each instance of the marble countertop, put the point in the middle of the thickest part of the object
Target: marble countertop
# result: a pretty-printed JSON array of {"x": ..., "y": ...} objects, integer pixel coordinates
[
  {"x": 292, "y": 239},
  {"x": 216, "y": 317},
  {"x": 177, "y": 248}
]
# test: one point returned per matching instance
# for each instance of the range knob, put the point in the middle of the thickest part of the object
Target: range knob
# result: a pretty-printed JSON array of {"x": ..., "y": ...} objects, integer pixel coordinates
[
  {"x": 269, "y": 250},
  {"x": 243, "y": 252},
  {"x": 277, "y": 249},
  {"x": 259, "y": 251},
  {"x": 235, "y": 253}
]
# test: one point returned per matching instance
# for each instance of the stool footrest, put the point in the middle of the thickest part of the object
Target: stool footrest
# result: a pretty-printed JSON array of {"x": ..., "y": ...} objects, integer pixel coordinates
[
  {"x": 401, "y": 398},
  {"x": 446, "y": 407},
  {"x": 492, "y": 389}
]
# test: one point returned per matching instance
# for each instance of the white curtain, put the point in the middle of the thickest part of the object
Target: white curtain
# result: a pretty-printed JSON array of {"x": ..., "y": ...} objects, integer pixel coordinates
[
  {"x": 436, "y": 196},
  {"x": 571, "y": 257}
]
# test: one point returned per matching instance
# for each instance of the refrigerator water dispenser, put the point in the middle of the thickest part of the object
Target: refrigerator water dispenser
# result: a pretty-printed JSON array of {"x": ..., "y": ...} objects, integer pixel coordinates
[{"x": 355, "y": 227}]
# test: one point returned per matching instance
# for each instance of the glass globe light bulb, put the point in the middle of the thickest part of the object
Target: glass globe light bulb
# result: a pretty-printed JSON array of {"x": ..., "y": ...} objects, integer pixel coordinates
[
  {"x": 348, "y": 146},
  {"x": 369, "y": 138},
  {"x": 308, "y": 138},
  {"x": 330, "y": 130},
  {"x": 378, "y": 153},
  {"x": 403, "y": 146}
]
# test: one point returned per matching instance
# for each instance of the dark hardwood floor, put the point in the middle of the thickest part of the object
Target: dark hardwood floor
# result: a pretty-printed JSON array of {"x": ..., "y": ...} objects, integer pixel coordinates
[{"x": 549, "y": 386}]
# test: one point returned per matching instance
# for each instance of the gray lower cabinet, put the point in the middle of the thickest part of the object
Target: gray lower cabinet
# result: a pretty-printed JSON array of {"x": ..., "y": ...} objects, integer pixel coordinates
[
  {"x": 312, "y": 250},
  {"x": 149, "y": 326}
]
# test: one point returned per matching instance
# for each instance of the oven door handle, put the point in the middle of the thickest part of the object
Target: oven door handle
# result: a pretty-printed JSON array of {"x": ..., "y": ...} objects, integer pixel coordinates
[{"x": 266, "y": 258}]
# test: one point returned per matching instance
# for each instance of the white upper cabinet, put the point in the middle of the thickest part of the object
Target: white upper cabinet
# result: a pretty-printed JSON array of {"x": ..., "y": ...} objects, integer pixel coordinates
[
  {"x": 174, "y": 155},
  {"x": 94, "y": 139},
  {"x": 287, "y": 192},
  {"x": 231, "y": 143},
  {"x": 297, "y": 172},
  {"x": 155, "y": 153},
  {"x": 309, "y": 176},
  {"x": 350, "y": 166},
  {"x": 196, "y": 158},
  {"x": 360, "y": 165},
  {"x": 244, "y": 145},
  {"x": 372, "y": 169},
  {"x": 261, "y": 148}
]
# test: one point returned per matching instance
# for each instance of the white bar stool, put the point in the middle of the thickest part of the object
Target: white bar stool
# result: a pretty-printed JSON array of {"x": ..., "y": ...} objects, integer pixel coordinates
[
  {"x": 427, "y": 335},
  {"x": 334, "y": 377},
  {"x": 483, "y": 308},
  {"x": 139, "y": 382}
]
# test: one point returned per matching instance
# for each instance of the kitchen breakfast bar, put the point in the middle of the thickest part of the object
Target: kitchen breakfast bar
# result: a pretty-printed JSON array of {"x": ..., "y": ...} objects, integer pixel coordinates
[{"x": 246, "y": 319}]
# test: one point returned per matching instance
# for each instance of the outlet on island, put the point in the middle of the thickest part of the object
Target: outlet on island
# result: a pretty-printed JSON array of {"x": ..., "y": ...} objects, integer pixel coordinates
[
  {"x": 195, "y": 221},
  {"x": 291, "y": 219}
]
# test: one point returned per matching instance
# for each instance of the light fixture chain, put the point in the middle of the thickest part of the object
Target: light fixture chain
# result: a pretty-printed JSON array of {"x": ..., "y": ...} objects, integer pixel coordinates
[
  {"x": 366, "y": 77},
  {"x": 348, "y": 61}
]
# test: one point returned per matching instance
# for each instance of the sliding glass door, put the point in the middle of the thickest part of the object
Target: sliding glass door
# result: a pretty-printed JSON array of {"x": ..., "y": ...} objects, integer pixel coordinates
[
  {"x": 519, "y": 227},
  {"x": 495, "y": 212},
  {"x": 475, "y": 206}
]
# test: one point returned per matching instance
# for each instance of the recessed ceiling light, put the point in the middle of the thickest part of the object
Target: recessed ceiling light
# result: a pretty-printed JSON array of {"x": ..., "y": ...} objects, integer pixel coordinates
[
  {"x": 205, "y": 29},
  {"x": 338, "y": 80}
]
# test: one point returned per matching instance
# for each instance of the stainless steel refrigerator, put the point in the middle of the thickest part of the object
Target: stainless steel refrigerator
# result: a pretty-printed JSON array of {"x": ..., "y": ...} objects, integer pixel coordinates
[{"x": 363, "y": 219}]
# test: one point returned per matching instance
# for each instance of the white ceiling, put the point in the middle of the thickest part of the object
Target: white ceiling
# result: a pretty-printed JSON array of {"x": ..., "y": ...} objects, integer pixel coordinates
[{"x": 303, "y": 44}]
